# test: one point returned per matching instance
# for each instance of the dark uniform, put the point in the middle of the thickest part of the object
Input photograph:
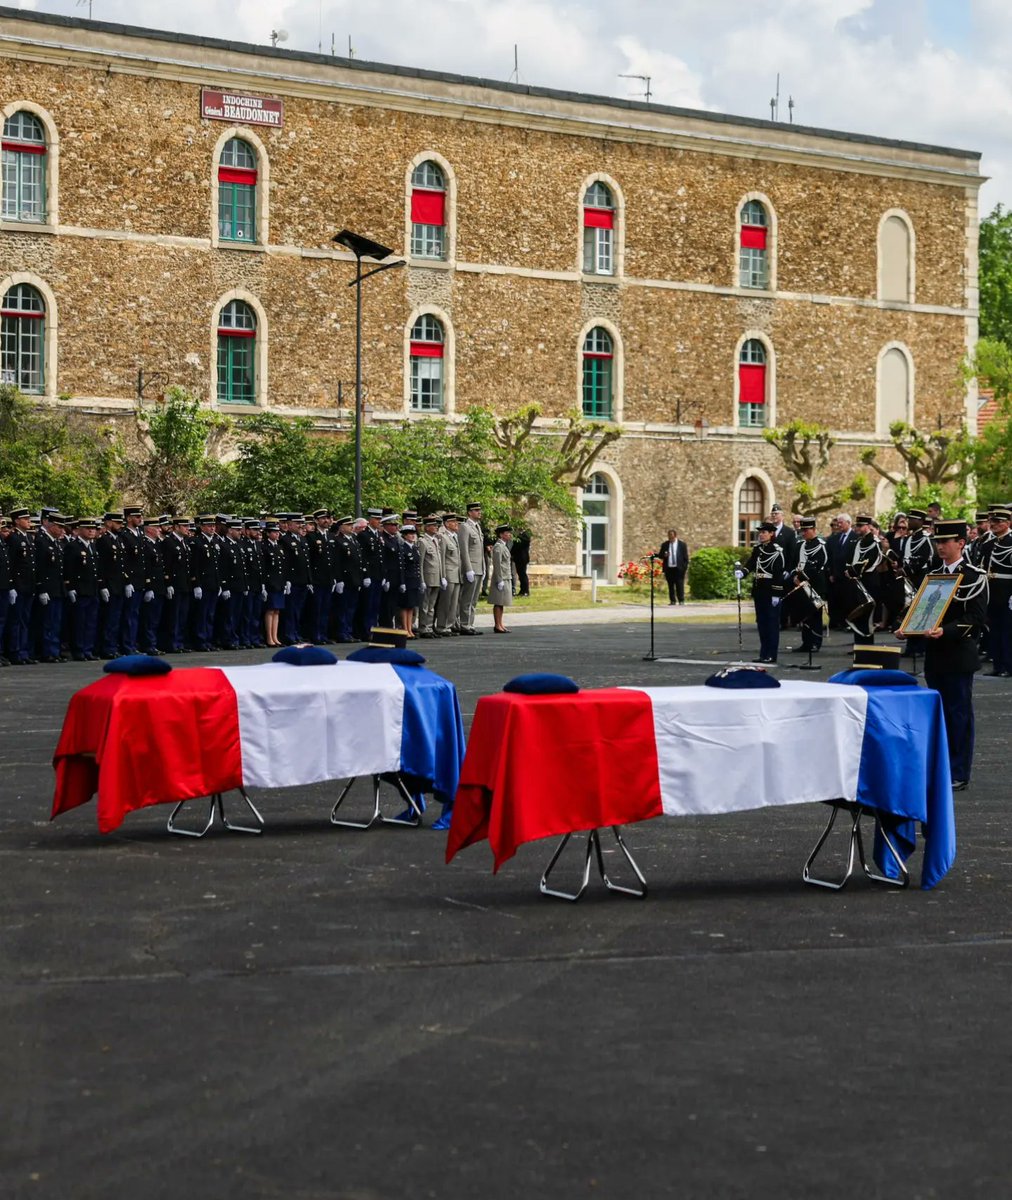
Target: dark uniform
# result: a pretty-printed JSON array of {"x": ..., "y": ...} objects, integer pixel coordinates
[
  {"x": 372, "y": 565},
  {"x": 132, "y": 541},
  {"x": 998, "y": 564},
  {"x": 21, "y": 553},
  {"x": 346, "y": 556},
  {"x": 156, "y": 585},
  {"x": 251, "y": 631},
  {"x": 6, "y": 605},
  {"x": 234, "y": 585},
  {"x": 272, "y": 568},
  {"x": 918, "y": 550},
  {"x": 391, "y": 573},
  {"x": 766, "y": 563},
  {"x": 951, "y": 661},
  {"x": 812, "y": 568},
  {"x": 205, "y": 552},
  {"x": 297, "y": 573},
  {"x": 316, "y": 621},
  {"x": 175, "y": 551},
  {"x": 49, "y": 593},
  {"x": 863, "y": 567},
  {"x": 82, "y": 582},
  {"x": 111, "y": 582}
]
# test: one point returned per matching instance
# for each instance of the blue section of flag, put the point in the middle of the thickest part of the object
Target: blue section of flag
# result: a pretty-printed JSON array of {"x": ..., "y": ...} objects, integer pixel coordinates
[
  {"x": 432, "y": 741},
  {"x": 904, "y": 774}
]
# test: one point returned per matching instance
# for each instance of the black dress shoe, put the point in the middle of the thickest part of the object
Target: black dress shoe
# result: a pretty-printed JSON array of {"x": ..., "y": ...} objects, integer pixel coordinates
[{"x": 960, "y": 785}]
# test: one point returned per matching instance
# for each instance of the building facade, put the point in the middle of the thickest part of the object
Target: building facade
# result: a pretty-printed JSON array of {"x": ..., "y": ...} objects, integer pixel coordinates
[{"x": 169, "y": 205}]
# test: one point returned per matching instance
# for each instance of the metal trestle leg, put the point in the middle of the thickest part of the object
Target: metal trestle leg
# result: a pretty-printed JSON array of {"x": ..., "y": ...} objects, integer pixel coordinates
[
  {"x": 216, "y": 809},
  {"x": 377, "y": 817},
  {"x": 594, "y": 849},
  {"x": 856, "y": 812}
]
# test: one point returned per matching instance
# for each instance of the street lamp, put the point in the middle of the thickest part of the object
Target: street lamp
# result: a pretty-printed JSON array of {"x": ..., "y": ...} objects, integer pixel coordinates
[{"x": 362, "y": 247}]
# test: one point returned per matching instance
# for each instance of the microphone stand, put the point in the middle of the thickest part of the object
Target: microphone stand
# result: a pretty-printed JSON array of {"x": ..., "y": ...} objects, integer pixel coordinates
[
  {"x": 737, "y": 580},
  {"x": 651, "y": 657}
]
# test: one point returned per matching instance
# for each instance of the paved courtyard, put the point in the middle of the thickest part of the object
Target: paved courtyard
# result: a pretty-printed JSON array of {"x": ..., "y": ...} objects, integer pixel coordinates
[{"x": 320, "y": 1013}]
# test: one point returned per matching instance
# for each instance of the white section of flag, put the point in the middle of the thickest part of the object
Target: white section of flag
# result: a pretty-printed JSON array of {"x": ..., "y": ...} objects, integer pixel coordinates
[
  {"x": 724, "y": 750},
  {"x": 302, "y": 725}
]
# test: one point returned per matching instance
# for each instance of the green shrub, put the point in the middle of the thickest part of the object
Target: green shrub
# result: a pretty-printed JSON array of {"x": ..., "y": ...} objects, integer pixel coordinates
[{"x": 711, "y": 573}]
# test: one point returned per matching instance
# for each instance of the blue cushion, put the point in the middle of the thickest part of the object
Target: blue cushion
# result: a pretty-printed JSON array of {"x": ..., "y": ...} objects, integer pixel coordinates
[
  {"x": 137, "y": 664},
  {"x": 387, "y": 654},
  {"x": 880, "y": 678},
  {"x": 743, "y": 677},
  {"x": 540, "y": 684},
  {"x": 306, "y": 656}
]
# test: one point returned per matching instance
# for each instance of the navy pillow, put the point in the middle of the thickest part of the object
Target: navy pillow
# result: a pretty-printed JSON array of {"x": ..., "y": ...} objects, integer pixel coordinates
[
  {"x": 743, "y": 677},
  {"x": 387, "y": 654},
  {"x": 137, "y": 664},
  {"x": 540, "y": 684},
  {"x": 305, "y": 656},
  {"x": 872, "y": 678}
]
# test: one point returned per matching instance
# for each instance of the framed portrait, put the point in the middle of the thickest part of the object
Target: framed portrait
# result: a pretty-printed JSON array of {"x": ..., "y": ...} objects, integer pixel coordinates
[{"x": 929, "y": 606}]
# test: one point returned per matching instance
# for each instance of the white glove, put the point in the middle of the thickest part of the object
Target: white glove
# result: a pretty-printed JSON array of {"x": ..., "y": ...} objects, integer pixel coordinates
[
  {"x": 103, "y": 595},
  {"x": 442, "y": 585},
  {"x": 226, "y": 594},
  {"x": 170, "y": 592},
  {"x": 385, "y": 585},
  {"x": 339, "y": 587},
  {"x": 148, "y": 597},
  {"x": 739, "y": 574},
  {"x": 403, "y": 587},
  {"x": 367, "y": 582},
  {"x": 309, "y": 588},
  {"x": 219, "y": 593},
  {"x": 263, "y": 592},
  {"x": 288, "y": 587},
  {"x": 333, "y": 586},
  {"x": 72, "y": 597},
  {"x": 12, "y": 596},
  {"x": 469, "y": 576},
  {"x": 43, "y": 598},
  {"x": 198, "y": 593},
  {"x": 502, "y": 585},
  {"x": 775, "y": 601},
  {"x": 1010, "y": 603},
  {"x": 128, "y": 591}
]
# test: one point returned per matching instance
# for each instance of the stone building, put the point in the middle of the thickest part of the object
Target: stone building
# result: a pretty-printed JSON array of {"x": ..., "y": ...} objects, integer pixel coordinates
[{"x": 169, "y": 204}]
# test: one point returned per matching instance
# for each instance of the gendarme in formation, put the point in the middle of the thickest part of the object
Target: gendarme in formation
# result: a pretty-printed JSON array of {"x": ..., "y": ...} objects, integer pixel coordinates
[{"x": 169, "y": 204}]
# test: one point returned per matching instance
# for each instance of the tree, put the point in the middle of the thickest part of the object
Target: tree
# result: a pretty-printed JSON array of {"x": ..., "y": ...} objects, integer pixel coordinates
[
  {"x": 181, "y": 442},
  {"x": 942, "y": 457},
  {"x": 991, "y": 365},
  {"x": 995, "y": 249},
  {"x": 805, "y": 450},
  {"x": 992, "y": 457},
  {"x": 48, "y": 458}
]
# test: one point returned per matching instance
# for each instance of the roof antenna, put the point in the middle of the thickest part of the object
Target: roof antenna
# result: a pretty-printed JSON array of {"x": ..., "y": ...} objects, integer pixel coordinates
[
  {"x": 775, "y": 102},
  {"x": 515, "y": 76},
  {"x": 351, "y": 51},
  {"x": 790, "y": 109},
  {"x": 82, "y": 3},
  {"x": 643, "y": 79}
]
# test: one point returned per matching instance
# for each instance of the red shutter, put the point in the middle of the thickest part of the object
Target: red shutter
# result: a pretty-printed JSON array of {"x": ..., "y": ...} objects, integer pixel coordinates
[
  {"x": 752, "y": 383},
  {"x": 753, "y": 237},
  {"x": 23, "y": 147},
  {"x": 426, "y": 349},
  {"x": 599, "y": 218},
  {"x": 222, "y": 332},
  {"x": 237, "y": 175},
  {"x": 26, "y": 316},
  {"x": 428, "y": 208}
]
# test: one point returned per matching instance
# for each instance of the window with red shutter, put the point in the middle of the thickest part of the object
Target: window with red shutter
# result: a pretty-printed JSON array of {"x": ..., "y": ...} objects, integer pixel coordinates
[
  {"x": 428, "y": 211},
  {"x": 426, "y": 357},
  {"x": 598, "y": 230},
  {"x": 752, "y": 384},
  {"x": 753, "y": 252}
]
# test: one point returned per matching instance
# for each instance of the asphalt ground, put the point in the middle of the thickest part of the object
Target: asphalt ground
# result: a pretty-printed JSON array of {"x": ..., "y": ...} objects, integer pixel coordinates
[{"x": 324, "y": 1013}]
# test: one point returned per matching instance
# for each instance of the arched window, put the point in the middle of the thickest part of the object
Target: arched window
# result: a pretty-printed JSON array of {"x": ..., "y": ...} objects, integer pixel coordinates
[
  {"x": 893, "y": 388},
  {"x": 598, "y": 374},
  {"x": 751, "y": 510},
  {"x": 428, "y": 344},
  {"x": 237, "y": 332},
  {"x": 428, "y": 211},
  {"x": 598, "y": 230},
  {"x": 596, "y": 506},
  {"x": 23, "y": 167},
  {"x": 752, "y": 384},
  {"x": 23, "y": 339},
  {"x": 237, "y": 192},
  {"x": 753, "y": 253},
  {"x": 894, "y": 260}
]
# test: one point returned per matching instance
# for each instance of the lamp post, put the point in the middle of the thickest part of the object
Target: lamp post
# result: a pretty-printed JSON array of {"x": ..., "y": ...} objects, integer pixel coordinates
[{"x": 362, "y": 247}]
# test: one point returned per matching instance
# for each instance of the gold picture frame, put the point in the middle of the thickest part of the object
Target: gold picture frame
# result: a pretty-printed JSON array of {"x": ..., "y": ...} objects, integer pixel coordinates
[{"x": 929, "y": 606}]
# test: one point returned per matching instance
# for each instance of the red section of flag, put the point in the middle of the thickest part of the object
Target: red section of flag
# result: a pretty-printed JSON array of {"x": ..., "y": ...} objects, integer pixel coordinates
[
  {"x": 426, "y": 350},
  {"x": 428, "y": 208},
  {"x": 543, "y": 766},
  {"x": 753, "y": 237},
  {"x": 752, "y": 383},
  {"x": 149, "y": 739},
  {"x": 237, "y": 175},
  {"x": 599, "y": 218}
]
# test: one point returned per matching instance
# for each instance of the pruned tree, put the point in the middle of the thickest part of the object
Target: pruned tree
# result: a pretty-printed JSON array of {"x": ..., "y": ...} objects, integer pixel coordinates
[
  {"x": 941, "y": 457},
  {"x": 805, "y": 450}
]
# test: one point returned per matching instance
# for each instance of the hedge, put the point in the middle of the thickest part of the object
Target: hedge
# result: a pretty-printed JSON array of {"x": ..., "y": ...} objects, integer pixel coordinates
[{"x": 711, "y": 573}]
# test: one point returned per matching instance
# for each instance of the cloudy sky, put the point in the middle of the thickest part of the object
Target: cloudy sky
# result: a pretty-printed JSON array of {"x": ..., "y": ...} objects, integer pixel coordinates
[{"x": 923, "y": 70}]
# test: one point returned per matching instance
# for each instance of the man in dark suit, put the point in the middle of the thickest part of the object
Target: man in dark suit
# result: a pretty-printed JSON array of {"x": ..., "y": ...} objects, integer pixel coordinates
[
  {"x": 839, "y": 549},
  {"x": 674, "y": 556}
]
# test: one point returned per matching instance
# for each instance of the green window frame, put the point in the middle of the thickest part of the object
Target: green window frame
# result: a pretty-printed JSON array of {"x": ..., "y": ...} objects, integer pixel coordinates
[
  {"x": 237, "y": 192},
  {"x": 237, "y": 327},
  {"x": 23, "y": 169},
  {"x": 598, "y": 374},
  {"x": 23, "y": 339}
]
